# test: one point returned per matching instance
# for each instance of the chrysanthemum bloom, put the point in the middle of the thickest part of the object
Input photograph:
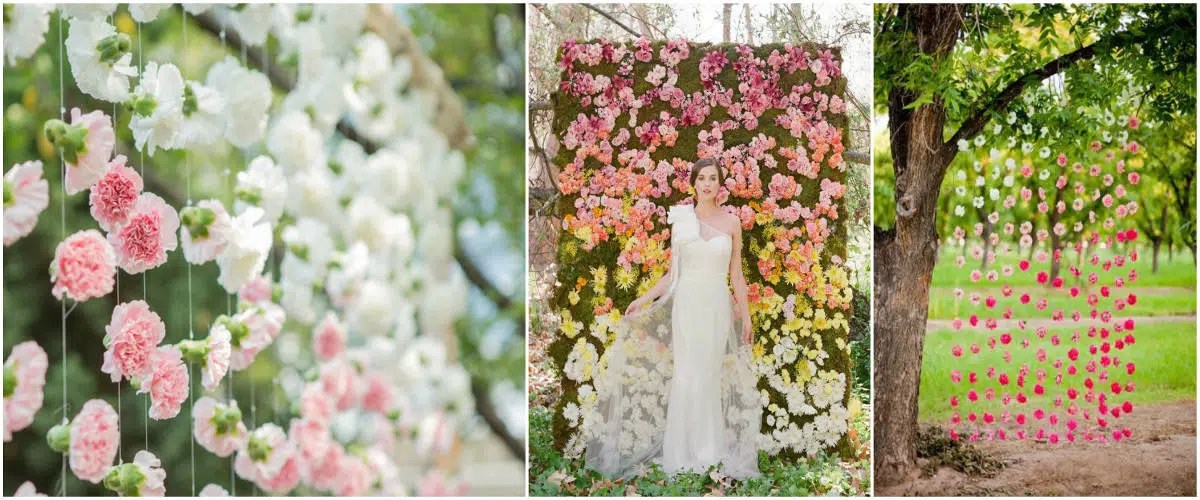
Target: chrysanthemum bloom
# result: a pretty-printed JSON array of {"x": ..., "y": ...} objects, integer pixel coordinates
[
  {"x": 329, "y": 337},
  {"x": 218, "y": 427},
  {"x": 24, "y": 379},
  {"x": 130, "y": 340},
  {"x": 212, "y": 490},
  {"x": 156, "y": 106},
  {"x": 213, "y": 354},
  {"x": 244, "y": 257},
  {"x": 100, "y": 59},
  {"x": 113, "y": 196},
  {"x": 26, "y": 194},
  {"x": 90, "y": 440},
  {"x": 204, "y": 230},
  {"x": 144, "y": 477},
  {"x": 84, "y": 267},
  {"x": 265, "y": 453},
  {"x": 167, "y": 383},
  {"x": 27, "y": 489},
  {"x": 85, "y": 144},
  {"x": 144, "y": 241},
  {"x": 354, "y": 478}
]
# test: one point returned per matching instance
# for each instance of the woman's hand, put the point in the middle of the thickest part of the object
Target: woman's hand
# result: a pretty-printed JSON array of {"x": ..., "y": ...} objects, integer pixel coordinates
[
  {"x": 747, "y": 331},
  {"x": 634, "y": 306}
]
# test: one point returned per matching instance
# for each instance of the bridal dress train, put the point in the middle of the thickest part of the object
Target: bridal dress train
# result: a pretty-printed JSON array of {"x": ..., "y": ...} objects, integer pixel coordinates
[{"x": 677, "y": 387}]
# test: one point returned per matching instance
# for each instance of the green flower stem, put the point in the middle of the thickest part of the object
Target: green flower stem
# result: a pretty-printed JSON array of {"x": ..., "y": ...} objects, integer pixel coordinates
[
  {"x": 113, "y": 47},
  {"x": 125, "y": 479},
  {"x": 59, "y": 438},
  {"x": 10, "y": 381},
  {"x": 70, "y": 140},
  {"x": 197, "y": 220}
]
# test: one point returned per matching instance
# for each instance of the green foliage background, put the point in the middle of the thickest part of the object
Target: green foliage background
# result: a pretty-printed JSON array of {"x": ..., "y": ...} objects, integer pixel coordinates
[{"x": 575, "y": 263}]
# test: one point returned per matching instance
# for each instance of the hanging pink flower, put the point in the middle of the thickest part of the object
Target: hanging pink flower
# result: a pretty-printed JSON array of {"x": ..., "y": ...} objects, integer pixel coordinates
[
  {"x": 324, "y": 474},
  {"x": 94, "y": 436},
  {"x": 26, "y": 195},
  {"x": 216, "y": 359},
  {"x": 84, "y": 267},
  {"x": 378, "y": 396},
  {"x": 154, "y": 477},
  {"x": 218, "y": 427},
  {"x": 285, "y": 480},
  {"x": 329, "y": 337},
  {"x": 86, "y": 144},
  {"x": 339, "y": 380},
  {"x": 114, "y": 195},
  {"x": 315, "y": 404},
  {"x": 24, "y": 379},
  {"x": 311, "y": 439},
  {"x": 167, "y": 383},
  {"x": 354, "y": 477},
  {"x": 144, "y": 241},
  {"x": 27, "y": 489},
  {"x": 435, "y": 484},
  {"x": 435, "y": 436},
  {"x": 265, "y": 453},
  {"x": 130, "y": 340},
  {"x": 256, "y": 290},
  {"x": 204, "y": 231}
]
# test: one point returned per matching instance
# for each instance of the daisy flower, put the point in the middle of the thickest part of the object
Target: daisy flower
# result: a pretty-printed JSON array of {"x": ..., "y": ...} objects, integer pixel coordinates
[
  {"x": 25, "y": 27},
  {"x": 218, "y": 427},
  {"x": 113, "y": 196},
  {"x": 26, "y": 195},
  {"x": 130, "y": 341},
  {"x": 203, "y": 231},
  {"x": 100, "y": 59}
]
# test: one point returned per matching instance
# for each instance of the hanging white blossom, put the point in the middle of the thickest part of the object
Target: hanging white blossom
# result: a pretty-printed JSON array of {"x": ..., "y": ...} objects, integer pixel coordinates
[
  {"x": 100, "y": 59},
  {"x": 246, "y": 254},
  {"x": 248, "y": 98},
  {"x": 203, "y": 116},
  {"x": 294, "y": 143},
  {"x": 262, "y": 185},
  {"x": 252, "y": 22},
  {"x": 87, "y": 11},
  {"x": 157, "y": 105},
  {"x": 25, "y": 27},
  {"x": 146, "y": 12}
]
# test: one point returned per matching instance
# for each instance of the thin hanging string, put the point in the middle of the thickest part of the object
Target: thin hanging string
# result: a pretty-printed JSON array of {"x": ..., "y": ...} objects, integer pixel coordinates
[
  {"x": 228, "y": 303},
  {"x": 187, "y": 162},
  {"x": 62, "y": 114},
  {"x": 120, "y": 451},
  {"x": 145, "y": 286}
]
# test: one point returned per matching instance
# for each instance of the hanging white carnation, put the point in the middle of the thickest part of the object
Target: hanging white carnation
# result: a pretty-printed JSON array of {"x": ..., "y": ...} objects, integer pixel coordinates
[
  {"x": 252, "y": 22},
  {"x": 294, "y": 143},
  {"x": 245, "y": 255},
  {"x": 25, "y": 27},
  {"x": 100, "y": 59},
  {"x": 157, "y": 105},
  {"x": 340, "y": 25},
  {"x": 262, "y": 185},
  {"x": 86, "y": 11},
  {"x": 371, "y": 312},
  {"x": 203, "y": 116},
  {"x": 310, "y": 240},
  {"x": 146, "y": 12},
  {"x": 309, "y": 195},
  {"x": 248, "y": 98},
  {"x": 196, "y": 9}
]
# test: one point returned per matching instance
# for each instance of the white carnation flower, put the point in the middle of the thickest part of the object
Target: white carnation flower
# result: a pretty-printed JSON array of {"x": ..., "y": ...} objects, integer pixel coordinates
[
  {"x": 86, "y": 11},
  {"x": 294, "y": 143},
  {"x": 252, "y": 23},
  {"x": 146, "y": 12},
  {"x": 340, "y": 25},
  {"x": 263, "y": 185},
  {"x": 100, "y": 59},
  {"x": 248, "y": 97},
  {"x": 196, "y": 9},
  {"x": 157, "y": 107},
  {"x": 309, "y": 195},
  {"x": 203, "y": 116},
  {"x": 245, "y": 255},
  {"x": 310, "y": 240},
  {"x": 25, "y": 27}
]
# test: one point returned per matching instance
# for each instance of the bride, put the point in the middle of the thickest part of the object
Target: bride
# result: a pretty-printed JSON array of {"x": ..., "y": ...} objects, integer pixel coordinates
[{"x": 676, "y": 388}]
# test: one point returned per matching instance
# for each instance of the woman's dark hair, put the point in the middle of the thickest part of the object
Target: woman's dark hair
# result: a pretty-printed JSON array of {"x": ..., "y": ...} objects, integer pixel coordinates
[{"x": 707, "y": 162}]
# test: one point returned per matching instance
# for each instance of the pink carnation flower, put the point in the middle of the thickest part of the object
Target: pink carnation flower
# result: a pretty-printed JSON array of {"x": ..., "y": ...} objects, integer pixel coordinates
[
  {"x": 84, "y": 267},
  {"x": 315, "y": 404},
  {"x": 90, "y": 164},
  {"x": 339, "y": 381},
  {"x": 25, "y": 377},
  {"x": 26, "y": 194},
  {"x": 218, "y": 427},
  {"x": 435, "y": 484},
  {"x": 256, "y": 290},
  {"x": 354, "y": 477},
  {"x": 378, "y": 396},
  {"x": 167, "y": 383},
  {"x": 95, "y": 434},
  {"x": 311, "y": 439},
  {"x": 265, "y": 453},
  {"x": 329, "y": 337},
  {"x": 323, "y": 475},
  {"x": 27, "y": 489},
  {"x": 204, "y": 231},
  {"x": 154, "y": 476},
  {"x": 130, "y": 339},
  {"x": 285, "y": 480},
  {"x": 113, "y": 196},
  {"x": 252, "y": 331},
  {"x": 435, "y": 436},
  {"x": 144, "y": 241}
]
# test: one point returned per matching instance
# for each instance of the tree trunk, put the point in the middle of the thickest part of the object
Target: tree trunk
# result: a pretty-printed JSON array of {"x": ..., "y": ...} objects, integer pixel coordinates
[
  {"x": 749, "y": 27},
  {"x": 726, "y": 14},
  {"x": 1154, "y": 244},
  {"x": 905, "y": 256},
  {"x": 1055, "y": 240}
]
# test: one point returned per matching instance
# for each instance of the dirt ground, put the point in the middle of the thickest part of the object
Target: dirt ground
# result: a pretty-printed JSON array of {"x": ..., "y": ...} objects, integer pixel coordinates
[{"x": 1159, "y": 460}]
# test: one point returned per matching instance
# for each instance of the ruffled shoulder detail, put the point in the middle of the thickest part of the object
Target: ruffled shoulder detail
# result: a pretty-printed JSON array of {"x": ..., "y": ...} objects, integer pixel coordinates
[{"x": 680, "y": 212}]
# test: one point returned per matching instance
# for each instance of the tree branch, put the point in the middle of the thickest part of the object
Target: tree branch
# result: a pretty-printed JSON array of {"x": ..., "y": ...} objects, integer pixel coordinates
[
  {"x": 613, "y": 19},
  {"x": 487, "y": 410}
]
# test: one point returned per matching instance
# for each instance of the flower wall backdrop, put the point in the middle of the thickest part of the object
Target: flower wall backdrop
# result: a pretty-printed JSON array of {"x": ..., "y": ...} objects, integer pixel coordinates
[
  {"x": 249, "y": 249},
  {"x": 632, "y": 118}
]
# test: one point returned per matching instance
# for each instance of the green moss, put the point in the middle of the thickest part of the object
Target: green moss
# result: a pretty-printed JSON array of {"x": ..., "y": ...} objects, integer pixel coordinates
[{"x": 575, "y": 262}]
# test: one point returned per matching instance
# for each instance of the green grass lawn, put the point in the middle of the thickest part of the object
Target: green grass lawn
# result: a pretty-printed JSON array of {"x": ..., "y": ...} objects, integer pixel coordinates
[
  {"x": 1156, "y": 302},
  {"x": 550, "y": 474},
  {"x": 1179, "y": 272},
  {"x": 1164, "y": 354}
]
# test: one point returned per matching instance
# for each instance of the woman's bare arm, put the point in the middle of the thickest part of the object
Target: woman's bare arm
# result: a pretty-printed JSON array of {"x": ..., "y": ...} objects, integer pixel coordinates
[{"x": 735, "y": 273}]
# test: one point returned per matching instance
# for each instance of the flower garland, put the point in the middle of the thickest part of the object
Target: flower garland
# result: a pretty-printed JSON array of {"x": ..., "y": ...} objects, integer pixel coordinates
[
  {"x": 631, "y": 119},
  {"x": 380, "y": 285}
]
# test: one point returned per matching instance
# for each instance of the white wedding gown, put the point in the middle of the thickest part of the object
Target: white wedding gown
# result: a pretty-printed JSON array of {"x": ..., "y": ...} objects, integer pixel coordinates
[{"x": 677, "y": 387}]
